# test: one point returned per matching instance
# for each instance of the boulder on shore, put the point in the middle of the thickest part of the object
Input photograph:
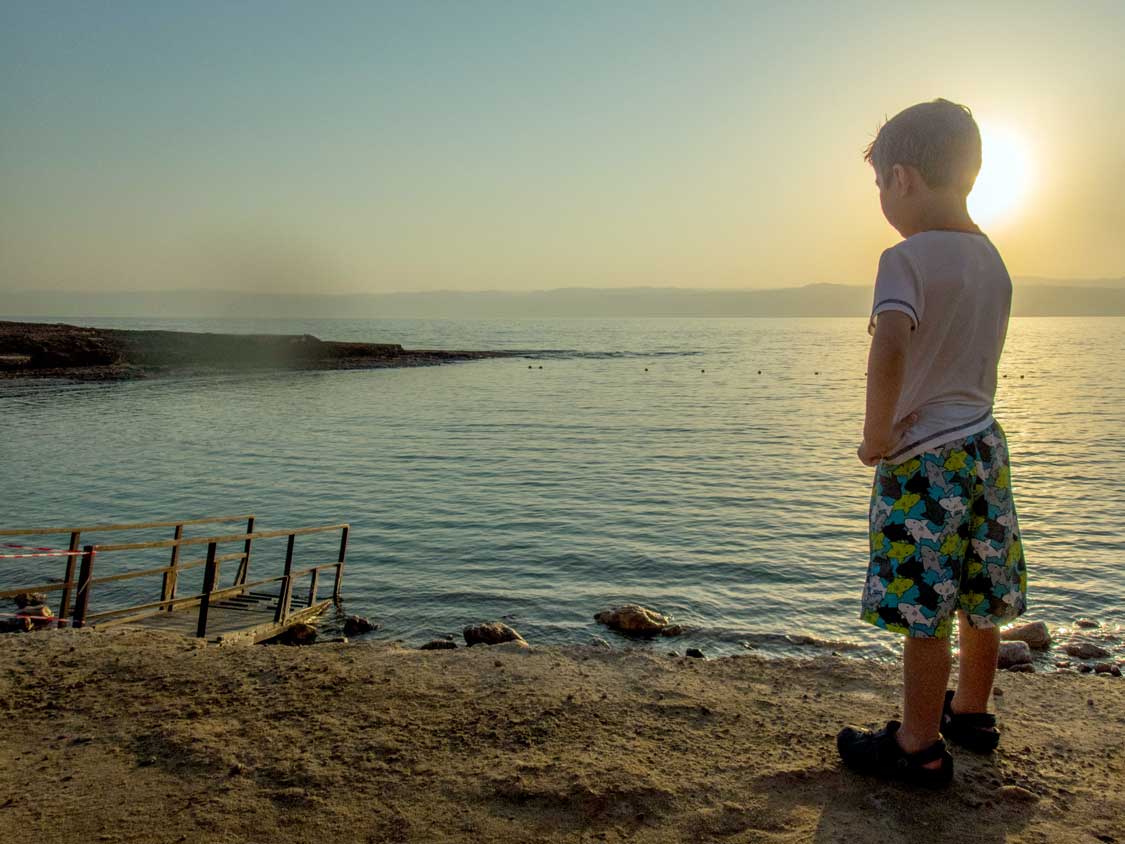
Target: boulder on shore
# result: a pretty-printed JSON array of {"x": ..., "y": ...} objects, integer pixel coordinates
[
  {"x": 1012, "y": 654},
  {"x": 354, "y": 625},
  {"x": 633, "y": 618},
  {"x": 492, "y": 633},
  {"x": 1035, "y": 633},
  {"x": 1085, "y": 650},
  {"x": 39, "y": 616},
  {"x": 298, "y": 634},
  {"x": 438, "y": 645}
]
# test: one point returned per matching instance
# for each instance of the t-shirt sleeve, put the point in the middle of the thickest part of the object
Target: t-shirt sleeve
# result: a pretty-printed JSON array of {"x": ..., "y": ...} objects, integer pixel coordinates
[{"x": 897, "y": 288}]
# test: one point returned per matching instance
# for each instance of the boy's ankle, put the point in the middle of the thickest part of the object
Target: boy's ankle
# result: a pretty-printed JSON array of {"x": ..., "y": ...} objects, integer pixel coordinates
[{"x": 911, "y": 743}]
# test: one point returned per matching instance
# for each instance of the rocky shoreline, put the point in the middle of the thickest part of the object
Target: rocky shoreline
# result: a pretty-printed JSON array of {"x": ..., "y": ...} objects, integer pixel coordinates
[
  {"x": 56, "y": 350},
  {"x": 136, "y": 736}
]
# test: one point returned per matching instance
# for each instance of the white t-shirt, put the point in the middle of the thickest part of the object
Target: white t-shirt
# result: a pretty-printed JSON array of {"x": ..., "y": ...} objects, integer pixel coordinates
[{"x": 956, "y": 290}]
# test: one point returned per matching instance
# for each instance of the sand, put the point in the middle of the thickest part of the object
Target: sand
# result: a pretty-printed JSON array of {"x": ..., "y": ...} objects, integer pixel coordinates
[{"x": 138, "y": 736}]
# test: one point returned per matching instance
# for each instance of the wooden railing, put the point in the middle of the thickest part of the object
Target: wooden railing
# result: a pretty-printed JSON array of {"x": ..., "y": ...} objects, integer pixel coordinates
[
  {"x": 213, "y": 561},
  {"x": 67, "y": 584}
]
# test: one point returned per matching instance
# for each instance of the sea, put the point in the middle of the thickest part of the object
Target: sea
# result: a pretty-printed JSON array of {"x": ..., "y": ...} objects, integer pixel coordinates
[{"x": 704, "y": 468}]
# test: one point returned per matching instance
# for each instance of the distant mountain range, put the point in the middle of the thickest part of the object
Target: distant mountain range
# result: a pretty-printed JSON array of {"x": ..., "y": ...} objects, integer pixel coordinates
[{"x": 1032, "y": 297}]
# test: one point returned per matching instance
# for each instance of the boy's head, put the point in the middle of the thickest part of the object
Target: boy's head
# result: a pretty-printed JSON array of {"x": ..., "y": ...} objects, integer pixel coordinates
[{"x": 929, "y": 153}]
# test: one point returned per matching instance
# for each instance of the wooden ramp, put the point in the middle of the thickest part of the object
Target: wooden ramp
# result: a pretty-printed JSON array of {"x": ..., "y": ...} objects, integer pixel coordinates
[
  {"x": 242, "y": 612},
  {"x": 247, "y": 618}
]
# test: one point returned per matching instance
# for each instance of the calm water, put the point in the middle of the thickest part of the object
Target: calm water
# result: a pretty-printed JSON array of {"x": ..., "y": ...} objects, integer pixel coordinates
[{"x": 646, "y": 461}]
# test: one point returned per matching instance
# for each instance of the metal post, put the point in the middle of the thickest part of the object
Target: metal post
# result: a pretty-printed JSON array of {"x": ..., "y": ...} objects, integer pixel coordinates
[
  {"x": 210, "y": 574},
  {"x": 285, "y": 596},
  {"x": 340, "y": 563},
  {"x": 244, "y": 566},
  {"x": 168, "y": 590},
  {"x": 312, "y": 586},
  {"x": 82, "y": 597},
  {"x": 64, "y": 602}
]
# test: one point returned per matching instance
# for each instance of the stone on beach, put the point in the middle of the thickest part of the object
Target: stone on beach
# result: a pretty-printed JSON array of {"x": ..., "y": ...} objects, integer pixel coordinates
[
  {"x": 1012, "y": 654},
  {"x": 298, "y": 634},
  {"x": 439, "y": 645},
  {"x": 633, "y": 618},
  {"x": 357, "y": 624},
  {"x": 492, "y": 633},
  {"x": 1035, "y": 634},
  {"x": 1085, "y": 650}
]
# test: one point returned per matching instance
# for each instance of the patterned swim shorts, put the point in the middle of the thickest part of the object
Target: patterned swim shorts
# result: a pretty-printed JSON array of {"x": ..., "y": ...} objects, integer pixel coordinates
[{"x": 944, "y": 537}]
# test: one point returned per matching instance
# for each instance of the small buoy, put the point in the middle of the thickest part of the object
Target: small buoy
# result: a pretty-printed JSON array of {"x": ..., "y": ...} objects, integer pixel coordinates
[
  {"x": 529, "y": 366},
  {"x": 703, "y": 370},
  {"x": 540, "y": 366},
  {"x": 759, "y": 372},
  {"x": 646, "y": 369}
]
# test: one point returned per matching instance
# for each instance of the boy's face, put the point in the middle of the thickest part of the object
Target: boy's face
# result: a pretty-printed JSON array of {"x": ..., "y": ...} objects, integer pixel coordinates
[{"x": 894, "y": 198}]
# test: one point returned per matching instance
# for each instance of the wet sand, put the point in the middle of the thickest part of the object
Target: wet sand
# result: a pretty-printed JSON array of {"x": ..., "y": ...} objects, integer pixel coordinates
[{"x": 130, "y": 736}]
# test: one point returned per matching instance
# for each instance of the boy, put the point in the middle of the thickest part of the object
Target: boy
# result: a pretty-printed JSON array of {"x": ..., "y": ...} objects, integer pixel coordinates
[{"x": 944, "y": 537}]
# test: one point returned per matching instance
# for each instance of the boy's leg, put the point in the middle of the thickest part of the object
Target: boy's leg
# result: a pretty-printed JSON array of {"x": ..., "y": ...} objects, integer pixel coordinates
[
  {"x": 925, "y": 673},
  {"x": 977, "y": 667}
]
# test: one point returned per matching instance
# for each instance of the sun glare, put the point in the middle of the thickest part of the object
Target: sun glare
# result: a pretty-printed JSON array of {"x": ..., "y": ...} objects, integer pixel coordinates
[{"x": 1005, "y": 178}]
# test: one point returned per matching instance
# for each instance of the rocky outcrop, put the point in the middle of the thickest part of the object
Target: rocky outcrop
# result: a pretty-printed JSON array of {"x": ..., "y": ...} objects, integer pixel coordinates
[
  {"x": 491, "y": 633},
  {"x": 44, "y": 350},
  {"x": 633, "y": 618}
]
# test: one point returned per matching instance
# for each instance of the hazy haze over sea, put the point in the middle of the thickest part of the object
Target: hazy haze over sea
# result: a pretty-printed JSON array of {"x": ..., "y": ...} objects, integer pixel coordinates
[{"x": 730, "y": 499}]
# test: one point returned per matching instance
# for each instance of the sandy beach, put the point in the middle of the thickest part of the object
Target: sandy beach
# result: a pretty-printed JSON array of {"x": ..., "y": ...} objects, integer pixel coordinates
[{"x": 130, "y": 736}]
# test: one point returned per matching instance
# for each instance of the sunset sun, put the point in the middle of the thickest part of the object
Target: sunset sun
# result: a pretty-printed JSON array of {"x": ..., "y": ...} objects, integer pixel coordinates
[{"x": 1006, "y": 176}]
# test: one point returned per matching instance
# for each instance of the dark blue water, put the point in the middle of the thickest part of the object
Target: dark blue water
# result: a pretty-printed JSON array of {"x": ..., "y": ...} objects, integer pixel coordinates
[{"x": 647, "y": 461}]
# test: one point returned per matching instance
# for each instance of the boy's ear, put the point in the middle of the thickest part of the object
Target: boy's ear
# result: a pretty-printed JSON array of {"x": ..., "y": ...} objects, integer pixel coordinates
[{"x": 901, "y": 179}]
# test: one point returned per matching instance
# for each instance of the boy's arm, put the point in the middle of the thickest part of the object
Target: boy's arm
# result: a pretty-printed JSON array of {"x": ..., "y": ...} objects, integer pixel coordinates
[{"x": 886, "y": 368}]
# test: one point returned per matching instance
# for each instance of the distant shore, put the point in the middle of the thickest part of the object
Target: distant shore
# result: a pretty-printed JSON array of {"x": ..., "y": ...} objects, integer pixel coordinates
[
  {"x": 130, "y": 736},
  {"x": 58, "y": 350}
]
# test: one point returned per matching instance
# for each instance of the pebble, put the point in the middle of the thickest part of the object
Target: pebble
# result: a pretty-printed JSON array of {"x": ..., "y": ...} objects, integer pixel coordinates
[
  {"x": 1023, "y": 668},
  {"x": 1107, "y": 668},
  {"x": 599, "y": 642},
  {"x": 694, "y": 652},
  {"x": 1017, "y": 794},
  {"x": 1087, "y": 623}
]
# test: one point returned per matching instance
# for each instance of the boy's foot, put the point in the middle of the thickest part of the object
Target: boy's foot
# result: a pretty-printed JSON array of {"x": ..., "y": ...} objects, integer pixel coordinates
[
  {"x": 878, "y": 753},
  {"x": 972, "y": 730}
]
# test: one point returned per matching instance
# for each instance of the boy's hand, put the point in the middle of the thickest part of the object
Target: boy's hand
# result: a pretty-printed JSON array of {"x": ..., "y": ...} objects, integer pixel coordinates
[{"x": 870, "y": 455}]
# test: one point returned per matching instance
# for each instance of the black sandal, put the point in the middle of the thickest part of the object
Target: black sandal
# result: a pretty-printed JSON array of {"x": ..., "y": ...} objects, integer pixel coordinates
[
  {"x": 877, "y": 753},
  {"x": 972, "y": 730}
]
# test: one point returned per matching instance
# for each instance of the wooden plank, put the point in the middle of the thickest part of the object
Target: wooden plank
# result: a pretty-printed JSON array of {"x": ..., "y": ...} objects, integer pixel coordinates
[
  {"x": 136, "y": 526},
  {"x": 68, "y": 578},
  {"x": 234, "y": 537},
  {"x": 168, "y": 587},
  {"x": 42, "y": 587}
]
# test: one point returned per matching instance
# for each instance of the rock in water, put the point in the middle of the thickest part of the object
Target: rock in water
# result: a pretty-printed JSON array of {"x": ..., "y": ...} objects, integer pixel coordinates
[
  {"x": 298, "y": 634},
  {"x": 1085, "y": 650},
  {"x": 694, "y": 652},
  {"x": 599, "y": 642},
  {"x": 492, "y": 633},
  {"x": 633, "y": 618},
  {"x": 439, "y": 645},
  {"x": 354, "y": 625},
  {"x": 30, "y": 599},
  {"x": 1013, "y": 653},
  {"x": 1035, "y": 634}
]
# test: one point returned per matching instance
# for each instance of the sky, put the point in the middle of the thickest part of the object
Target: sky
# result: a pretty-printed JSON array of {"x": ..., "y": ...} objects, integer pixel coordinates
[{"x": 375, "y": 147}]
